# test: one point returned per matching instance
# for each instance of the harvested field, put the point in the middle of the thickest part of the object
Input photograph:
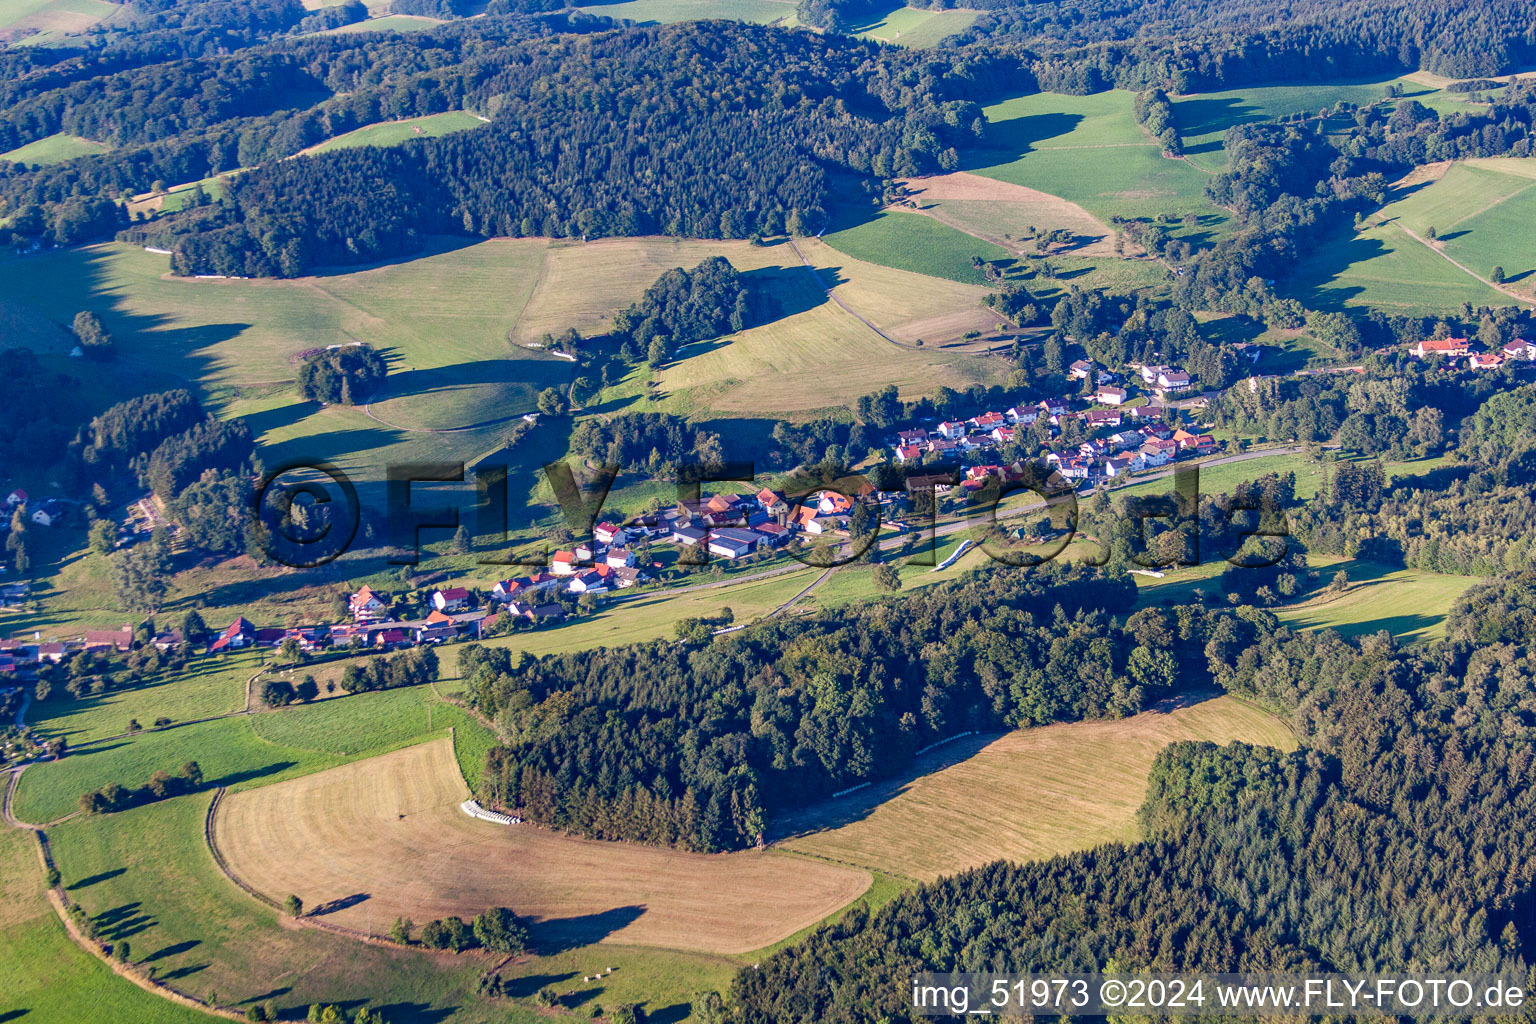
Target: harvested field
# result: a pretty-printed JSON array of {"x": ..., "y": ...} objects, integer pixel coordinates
[
  {"x": 989, "y": 209},
  {"x": 1026, "y": 795},
  {"x": 385, "y": 837}
]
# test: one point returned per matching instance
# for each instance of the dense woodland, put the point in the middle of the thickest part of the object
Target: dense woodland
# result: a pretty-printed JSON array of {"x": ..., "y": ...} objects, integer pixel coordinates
[
  {"x": 698, "y": 745},
  {"x": 1392, "y": 838},
  {"x": 345, "y": 374}
]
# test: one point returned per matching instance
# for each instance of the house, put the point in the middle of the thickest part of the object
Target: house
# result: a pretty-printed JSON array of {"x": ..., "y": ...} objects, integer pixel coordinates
[
  {"x": 940, "y": 482},
  {"x": 545, "y": 613},
  {"x": 435, "y": 633},
  {"x": 908, "y": 453},
  {"x": 773, "y": 533},
  {"x": 1520, "y": 349},
  {"x": 987, "y": 421},
  {"x": 109, "y": 639},
  {"x": 52, "y": 652},
  {"x": 521, "y": 586},
  {"x": 1485, "y": 360},
  {"x": 269, "y": 636},
  {"x": 831, "y": 503},
  {"x": 367, "y": 606},
  {"x": 1022, "y": 415},
  {"x": 1150, "y": 411},
  {"x": 1101, "y": 418},
  {"x": 619, "y": 558},
  {"x": 1110, "y": 395},
  {"x": 629, "y": 576},
  {"x": 1125, "y": 439},
  {"x": 453, "y": 599},
  {"x": 917, "y": 435},
  {"x": 347, "y": 634},
  {"x": 16, "y": 498},
  {"x": 610, "y": 533},
  {"x": 1153, "y": 454},
  {"x": 1454, "y": 347},
  {"x": 563, "y": 563},
  {"x": 734, "y": 543},
  {"x": 7, "y": 665},
  {"x": 1074, "y": 468},
  {"x": 1119, "y": 465},
  {"x": 951, "y": 430},
  {"x": 236, "y": 635},
  {"x": 1081, "y": 370},
  {"x": 774, "y": 503},
  {"x": 1003, "y": 435},
  {"x": 309, "y": 638},
  {"x": 165, "y": 641},
  {"x": 392, "y": 637},
  {"x": 1054, "y": 406},
  {"x": 688, "y": 536},
  {"x": 585, "y": 552},
  {"x": 1173, "y": 380},
  {"x": 1185, "y": 440},
  {"x": 49, "y": 512},
  {"x": 720, "y": 504}
]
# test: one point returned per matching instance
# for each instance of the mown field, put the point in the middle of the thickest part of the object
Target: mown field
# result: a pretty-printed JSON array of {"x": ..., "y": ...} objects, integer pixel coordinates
[
  {"x": 388, "y": 23},
  {"x": 1027, "y": 795},
  {"x": 42, "y": 21},
  {"x": 391, "y": 828},
  {"x": 55, "y": 149},
  {"x": 1478, "y": 209}
]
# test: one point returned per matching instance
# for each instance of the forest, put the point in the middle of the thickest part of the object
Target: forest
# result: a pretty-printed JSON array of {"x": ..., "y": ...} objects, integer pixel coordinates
[
  {"x": 1392, "y": 838},
  {"x": 698, "y": 745}
]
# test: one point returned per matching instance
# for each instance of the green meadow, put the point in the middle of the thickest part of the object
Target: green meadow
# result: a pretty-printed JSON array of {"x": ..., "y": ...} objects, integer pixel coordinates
[
  {"x": 916, "y": 28},
  {"x": 392, "y": 133},
  {"x": 248, "y": 750},
  {"x": 55, "y": 149},
  {"x": 910, "y": 241},
  {"x": 666, "y": 12},
  {"x": 1480, "y": 211},
  {"x": 1091, "y": 151}
]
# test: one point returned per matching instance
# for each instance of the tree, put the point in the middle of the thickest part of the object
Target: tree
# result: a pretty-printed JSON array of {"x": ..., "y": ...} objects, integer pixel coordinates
[
  {"x": 293, "y": 906},
  {"x": 103, "y": 537},
  {"x": 400, "y": 931},
  {"x": 708, "y": 1008},
  {"x": 141, "y": 575},
  {"x": 1497, "y": 277},
  {"x": 308, "y": 689},
  {"x": 290, "y": 651},
  {"x": 193, "y": 628},
  {"x": 92, "y": 334},
  {"x": 551, "y": 403},
  {"x": 277, "y": 693},
  {"x": 582, "y": 391},
  {"x": 192, "y": 772},
  {"x": 122, "y": 950},
  {"x": 1430, "y": 233},
  {"x": 499, "y": 930},
  {"x": 462, "y": 542},
  {"x": 887, "y": 578}
]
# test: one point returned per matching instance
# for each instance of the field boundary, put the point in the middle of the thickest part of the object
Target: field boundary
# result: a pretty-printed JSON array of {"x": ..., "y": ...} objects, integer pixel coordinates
[{"x": 1405, "y": 229}]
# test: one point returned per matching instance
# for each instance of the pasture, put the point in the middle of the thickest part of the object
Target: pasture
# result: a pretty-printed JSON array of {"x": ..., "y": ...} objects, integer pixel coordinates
[
  {"x": 42, "y": 21},
  {"x": 391, "y": 828},
  {"x": 1202, "y": 119},
  {"x": 1047, "y": 791},
  {"x": 666, "y": 12},
  {"x": 1478, "y": 209},
  {"x": 247, "y": 750},
  {"x": 392, "y": 133},
  {"x": 209, "y": 686},
  {"x": 1003, "y": 213},
  {"x": 921, "y": 245},
  {"x": 44, "y": 975},
  {"x": 1411, "y": 604},
  {"x": 387, "y": 23},
  {"x": 1090, "y": 151},
  {"x": 55, "y": 149},
  {"x": 915, "y": 27}
]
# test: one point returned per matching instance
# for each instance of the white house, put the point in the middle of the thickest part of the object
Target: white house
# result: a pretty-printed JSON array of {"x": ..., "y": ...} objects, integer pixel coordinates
[
  {"x": 563, "y": 563},
  {"x": 1173, "y": 380},
  {"x": 609, "y": 533},
  {"x": 1110, "y": 395},
  {"x": 1119, "y": 465},
  {"x": 951, "y": 430},
  {"x": 1520, "y": 349},
  {"x": 452, "y": 599},
  {"x": 15, "y": 498}
]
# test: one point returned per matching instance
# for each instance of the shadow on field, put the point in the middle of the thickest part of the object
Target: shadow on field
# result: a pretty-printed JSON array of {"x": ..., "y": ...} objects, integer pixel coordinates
[
  {"x": 414, "y": 1013},
  {"x": 526, "y": 986},
  {"x": 1199, "y": 116},
  {"x": 175, "y": 949},
  {"x": 556, "y": 935},
  {"x": 124, "y": 922},
  {"x": 6, "y": 1015},
  {"x": 340, "y": 904},
  {"x": 86, "y": 883},
  {"x": 436, "y": 245},
  {"x": 1019, "y": 136}
]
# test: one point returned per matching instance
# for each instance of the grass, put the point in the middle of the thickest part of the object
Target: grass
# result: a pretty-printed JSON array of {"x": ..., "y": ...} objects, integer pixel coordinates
[
  {"x": 922, "y": 245},
  {"x": 1204, "y": 118},
  {"x": 1478, "y": 210},
  {"x": 388, "y": 23},
  {"x": 666, "y": 12},
  {"x": 1047, "y": 791},
  {"x": 392, "y": 133},
  {"x": 915, "y": 27},
  {"x": 1411, "y": 604},
  {"x": 209, "y": 686},
  {"x": 244, "y": 750},
  {"x": 55, "y": 149},
  {"x": 391, "y": 827},
  {"x": 51, "y": 19},
  {"x": 1089, "y": 150},
  {"x": 46, "y": 978}
]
